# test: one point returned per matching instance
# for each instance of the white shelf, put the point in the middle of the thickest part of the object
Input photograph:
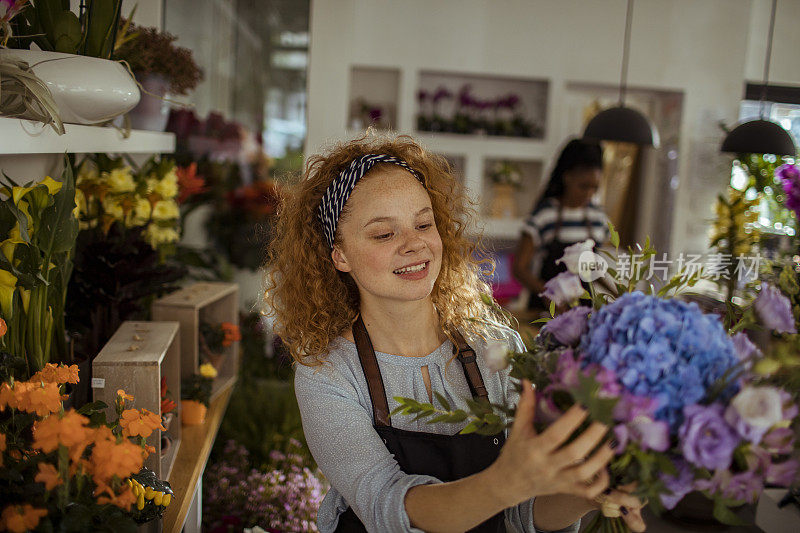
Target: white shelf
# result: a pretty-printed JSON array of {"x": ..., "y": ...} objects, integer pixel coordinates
[
  {"x": 501, "y": 228},
  {"x": 19, "y": 137},
  {"x": 486, "y": 145}
]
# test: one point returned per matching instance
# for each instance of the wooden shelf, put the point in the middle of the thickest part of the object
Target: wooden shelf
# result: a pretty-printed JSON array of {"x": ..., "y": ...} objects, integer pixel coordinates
[
  {"x": 191, "y": 460},
  {"x": 31, "y": 137}
]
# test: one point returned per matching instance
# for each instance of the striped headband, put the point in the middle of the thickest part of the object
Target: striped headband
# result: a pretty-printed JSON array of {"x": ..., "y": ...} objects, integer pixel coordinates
[{"x": 337, "y": 193}]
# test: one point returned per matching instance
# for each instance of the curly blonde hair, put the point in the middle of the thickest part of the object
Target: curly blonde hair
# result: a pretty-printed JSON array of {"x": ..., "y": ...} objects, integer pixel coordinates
[{"x": 313, "y": 303}]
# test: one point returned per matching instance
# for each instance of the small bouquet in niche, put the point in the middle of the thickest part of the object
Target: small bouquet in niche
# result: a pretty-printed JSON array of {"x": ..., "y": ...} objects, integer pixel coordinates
[
  {"x": 678, "y": 389},
  {"x": 215, "y": 338},
  {"x": 196, "y": 395},
  {"x": 167, "y": 404}
]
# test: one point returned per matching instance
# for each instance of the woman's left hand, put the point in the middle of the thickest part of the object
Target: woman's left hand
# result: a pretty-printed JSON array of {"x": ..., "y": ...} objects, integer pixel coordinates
[{"x": 621, "y": 502}]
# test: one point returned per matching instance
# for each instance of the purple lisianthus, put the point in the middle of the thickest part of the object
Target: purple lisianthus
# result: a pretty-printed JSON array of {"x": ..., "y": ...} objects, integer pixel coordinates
[
  {"x": 568, "y": 327},
  {"x": 788, "y": 407},
  {"x": 790, "y": 176},
  {"x": 743, "y": 487},
  {"x": 779, "y": 441},
  {"x": 678, "y": 485},
  {"x": 567, "y": 369},
  {"x": 706, "y": 440},
  {"x": 745, "y": 349},
  {"x": 563, "y": 289},
  {"x": 774, "y": 310},
  {"x": 630, "y": 407},
  {"x": 607, "y": 379},
  {"x": 782, "y": 474}
]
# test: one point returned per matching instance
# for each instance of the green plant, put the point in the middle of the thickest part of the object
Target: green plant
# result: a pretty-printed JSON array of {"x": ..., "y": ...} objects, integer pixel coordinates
[
  {"x": 54, "y": 27},
  {"x": 39, "y": 226},
  {"x": 197, "y": 387},
  {"x": 154, "y": 52}
]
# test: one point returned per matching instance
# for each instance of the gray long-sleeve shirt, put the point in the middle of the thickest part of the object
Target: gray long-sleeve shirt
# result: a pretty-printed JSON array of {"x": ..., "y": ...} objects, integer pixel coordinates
[{"x": 337, "y": 421}]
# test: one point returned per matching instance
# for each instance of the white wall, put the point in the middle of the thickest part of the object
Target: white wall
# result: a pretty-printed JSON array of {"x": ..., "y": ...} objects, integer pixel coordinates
[{"x": 698, "y": 47}]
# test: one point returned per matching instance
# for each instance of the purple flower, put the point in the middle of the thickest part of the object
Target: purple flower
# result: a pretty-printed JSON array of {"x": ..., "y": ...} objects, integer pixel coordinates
[
  {"x": 745, "y": 349},
  {"x": 788, "y": 407},
  {"x": 563, "y": 289},
  {"x": 567, "y": 369},
  {"x": 609, "y": 384},
  {"x": 630, "y": 407},
  {"x": 782, "y": 474},
  {"x": 790, "y": 175},
  {"x": 622, "y": 435},
  {"x": 441, "y": 92},
  {"x": 678, "y": 485},
  {"x": 568, "y": 327},
  {"x": 779, "y": 441},
  {"x": 775, "y": 310},
  {"x": 651, "y": 434},
  {"x": 422, "y": 95},
  {"x": 743, "y": 487},
  {"x": 706, "y": 440}
]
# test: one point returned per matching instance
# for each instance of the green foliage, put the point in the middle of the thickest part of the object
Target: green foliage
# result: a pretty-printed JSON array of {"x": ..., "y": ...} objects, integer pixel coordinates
[
  {"x": 198, "y": 388},
  {"x": 53, "y": 27}
]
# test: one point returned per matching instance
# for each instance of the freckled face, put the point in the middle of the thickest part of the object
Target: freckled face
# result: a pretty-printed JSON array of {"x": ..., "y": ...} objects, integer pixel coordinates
[{"x": 389, "y": 241}]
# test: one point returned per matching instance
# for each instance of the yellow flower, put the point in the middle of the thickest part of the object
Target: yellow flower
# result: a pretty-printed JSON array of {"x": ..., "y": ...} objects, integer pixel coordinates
[
  {"x": 52, "y": 185},
  {"x": 8, "y": 284},
  {"x": 9, "y": 245},
  {"x": 87, "y": 173},
  {"x": 80, "y": 204},
  {"x": 112, "y": 205},
  {"x": 166, "y": 210},
  {"x": 167, "y": 187},
  {"x": 120, "y": 180},
  {"x": 156, "y": 235},
  {"x": 26, "y": 298},
  {"x": 19, "y": 192},
  {"x": 141, "y": 212},
  {"x": 207, "y": 370}
]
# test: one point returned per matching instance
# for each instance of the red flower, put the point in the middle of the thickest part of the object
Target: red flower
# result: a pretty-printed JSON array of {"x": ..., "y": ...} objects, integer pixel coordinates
[{"x": 189, "y": 183}]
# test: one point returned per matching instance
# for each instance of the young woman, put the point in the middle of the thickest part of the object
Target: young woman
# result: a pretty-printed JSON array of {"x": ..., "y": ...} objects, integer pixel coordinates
[
  {"x": 374, "y": 287},
  {"x": 564, "y": 215}
]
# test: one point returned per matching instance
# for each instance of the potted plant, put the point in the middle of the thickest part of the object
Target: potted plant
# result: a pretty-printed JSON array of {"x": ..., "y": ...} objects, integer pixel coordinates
[
  {"x": 72, "y": 472},
  {"x": 161, "y": 67},
  {"x": 506, "y": 180},
  {"x": 214, "y": 338},
  {"x": 196, "y": 395},
  {"x": 167, "y": 405},
  {"x": 71, "y": 54},
  {"x": 38, "y": 225}
]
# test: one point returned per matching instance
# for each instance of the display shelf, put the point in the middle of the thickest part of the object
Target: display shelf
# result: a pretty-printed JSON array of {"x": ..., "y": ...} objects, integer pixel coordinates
[
  {"x": 18, "y": 136},
  {"x": 212, "y": 302},
  {"x": 134, "y": 360},
  {"x": 191, "y": 461},
  {"x": 373, "y": 97},
  {"x": 511, "y": 202},
  {"x": 484, "y": 145}
]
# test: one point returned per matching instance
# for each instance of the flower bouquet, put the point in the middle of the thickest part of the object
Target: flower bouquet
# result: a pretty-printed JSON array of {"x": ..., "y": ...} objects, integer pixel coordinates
[
  {"x": 674, "y": 386},
  {"x": 167, "y": 405},
  {"x": 67, "y": 470},
  {"x": 215, "y": 338},
  {"x": 196, "y": 395}
]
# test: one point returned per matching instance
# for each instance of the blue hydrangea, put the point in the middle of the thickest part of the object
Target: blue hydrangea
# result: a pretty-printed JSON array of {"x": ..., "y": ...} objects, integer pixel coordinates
[{"x": 661, "y": 348}]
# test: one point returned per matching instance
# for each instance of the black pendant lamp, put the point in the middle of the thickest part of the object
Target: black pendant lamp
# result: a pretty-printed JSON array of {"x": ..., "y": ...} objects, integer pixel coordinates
[
  {"x": 620, "y": 123},
  {"x": 761, "y": 136}
]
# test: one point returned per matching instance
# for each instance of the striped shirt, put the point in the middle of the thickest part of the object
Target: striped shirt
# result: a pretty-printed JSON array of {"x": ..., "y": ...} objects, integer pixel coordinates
[{"x": 541, "y": 224}]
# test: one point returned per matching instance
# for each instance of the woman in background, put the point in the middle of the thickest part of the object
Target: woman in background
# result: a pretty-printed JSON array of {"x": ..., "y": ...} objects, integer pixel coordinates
[{"x": 564, "y": 215}]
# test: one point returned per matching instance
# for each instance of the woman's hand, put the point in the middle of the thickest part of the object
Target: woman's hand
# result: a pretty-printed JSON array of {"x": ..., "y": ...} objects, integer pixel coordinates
[
  {"x": 532, "y": 464},
  {"x": 618, "y": 502}
]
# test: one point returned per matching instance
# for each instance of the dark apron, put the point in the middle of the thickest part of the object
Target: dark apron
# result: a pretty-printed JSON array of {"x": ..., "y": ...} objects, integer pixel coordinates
[
  {"x": 554, "y": 250},
  {"x": 445, "y": 457}
]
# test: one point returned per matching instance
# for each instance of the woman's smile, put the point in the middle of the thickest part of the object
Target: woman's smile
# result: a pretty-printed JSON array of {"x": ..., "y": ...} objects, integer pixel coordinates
[{"x": 414, "y": 271}]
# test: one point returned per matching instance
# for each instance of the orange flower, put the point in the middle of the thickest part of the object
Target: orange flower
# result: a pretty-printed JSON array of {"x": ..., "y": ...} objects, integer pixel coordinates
[
  {"x": 56, "y": 374},
  {"x": 124, "y": 500},
  {"x": 189, "y": 182},
  {"x": 232, "y": 334},
  {"x": 42, "y": 399},
  {"x": 21, "y": 518},
  {"x": 68, "y": 374},
  {"x": 68, "y": 430},
  {"x": 149, "y": 449},
  {"x": 125, "y": 396},
  {"x": 15, "y": 395},
  {"x": 109, "y": 459},
  {"x": 142, "y": 423},
  {"x": 49, "y": 476},
  {"x": 3, "y": 327}
]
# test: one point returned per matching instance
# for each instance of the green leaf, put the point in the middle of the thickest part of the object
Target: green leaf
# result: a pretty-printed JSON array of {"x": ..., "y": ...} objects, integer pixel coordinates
[
  {"x": 725, "y": 515},
  {"x": 614, "y": 236},
  {"x": 442, "y": 401},
  {"x": 472, "y": 427},
  {"x": 103, "y": 16},
  {"x": 94, "y": 407},
  {"x": 59, "y": 228},
  {"x": 67, "y": 33},
  {"x": 552, "y": 309}
]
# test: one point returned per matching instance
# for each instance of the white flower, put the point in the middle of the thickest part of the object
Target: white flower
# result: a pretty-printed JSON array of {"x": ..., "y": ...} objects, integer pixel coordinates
[
  {"x": 759, "y": 406},
  {"x": 496, "y": 355},
  {"x": 572, "y": 254}
]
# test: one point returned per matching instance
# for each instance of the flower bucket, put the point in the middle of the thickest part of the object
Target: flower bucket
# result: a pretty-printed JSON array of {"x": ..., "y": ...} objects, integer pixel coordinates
[
  {"x": 193, "y": 413},
  {"x": 152, "y": 113},
  {"x": 503, "y": 203},
  {"x": 87, "y": 90}
]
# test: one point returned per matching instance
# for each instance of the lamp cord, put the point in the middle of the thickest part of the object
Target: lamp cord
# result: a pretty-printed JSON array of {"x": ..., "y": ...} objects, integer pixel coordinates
[
  {"x": 767, "y": 59},
  {"x": 623, "y": 81}
]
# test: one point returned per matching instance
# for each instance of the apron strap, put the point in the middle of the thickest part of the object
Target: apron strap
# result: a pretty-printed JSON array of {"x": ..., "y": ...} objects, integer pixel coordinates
[
  {"x": 369, "y": 364},
  {"x": 467, "y": 358}
]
